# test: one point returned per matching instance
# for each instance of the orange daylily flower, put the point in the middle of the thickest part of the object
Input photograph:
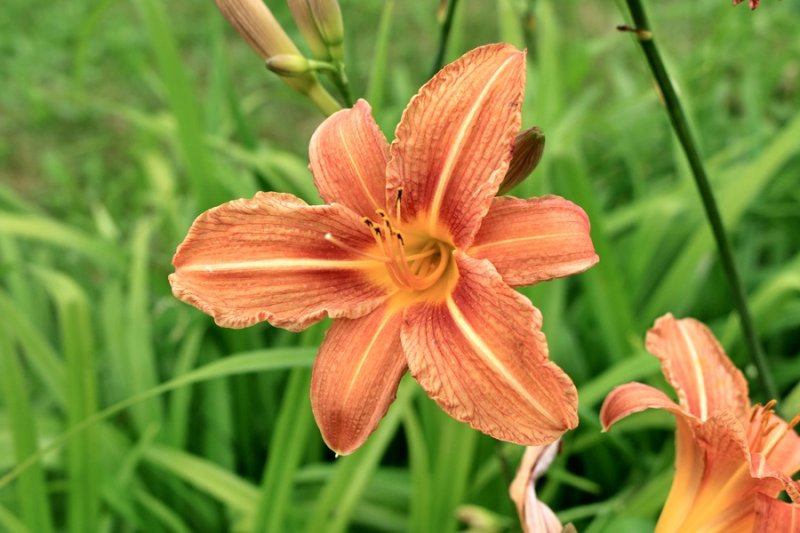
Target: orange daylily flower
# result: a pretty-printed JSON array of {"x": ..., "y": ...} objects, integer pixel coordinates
[
  {"x": 414, "y": 258},
  {"x": 729, "y": 455}
]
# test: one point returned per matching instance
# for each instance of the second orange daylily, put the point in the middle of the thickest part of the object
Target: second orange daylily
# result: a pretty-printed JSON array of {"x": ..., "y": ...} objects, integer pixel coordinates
[
  {"x": 413, "y": 257},
  {"x": 732, "y": 460}
]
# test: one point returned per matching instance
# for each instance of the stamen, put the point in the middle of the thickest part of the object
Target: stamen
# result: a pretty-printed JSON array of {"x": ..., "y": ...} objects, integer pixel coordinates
[{"x": 336, "y": 242}]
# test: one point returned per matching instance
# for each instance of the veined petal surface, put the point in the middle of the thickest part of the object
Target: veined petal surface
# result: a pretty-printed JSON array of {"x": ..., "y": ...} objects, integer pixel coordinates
[
  {"x": 696, "y": 366},
  {"x": 775, "y": 515},
  {"x": 266, "y": 258},
  {"x": 355, "y": 377},
  {"x": 453, "y": 144},
  {"x": 535, "y": 240},
  {"x": 481, "y": 355},
  {"x": 348, "y": 155},
  {"x": 720, "y": 494}
]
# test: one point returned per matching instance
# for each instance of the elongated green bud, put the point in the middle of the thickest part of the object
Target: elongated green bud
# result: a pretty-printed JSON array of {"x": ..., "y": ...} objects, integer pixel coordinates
[
  {"x": 301, "y": 12},
  {"x": 288, "y": 65},
  {"x": 525, "y": 156}
]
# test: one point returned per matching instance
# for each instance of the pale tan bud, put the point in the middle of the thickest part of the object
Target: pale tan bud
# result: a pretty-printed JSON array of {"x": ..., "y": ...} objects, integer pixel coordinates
[
  {"x": 259, "y": 27},
  {"x": 288, "y": 65},
  {"x": 525, "y": 156},
  {"x": 301, "y": 12},
  {"x": 262, "y": 31}
]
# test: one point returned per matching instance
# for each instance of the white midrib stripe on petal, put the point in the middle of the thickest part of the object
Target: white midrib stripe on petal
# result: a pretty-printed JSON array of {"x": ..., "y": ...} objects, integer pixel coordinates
[
  {"x": 697, "y": 369},
  {"x": 517, "y": 240},
  {"x": 455, "y": 148},
  {"x": 365, "y": 354},
  {"x": 277, "y": 264},
  {"x": 486, "y": 352}
]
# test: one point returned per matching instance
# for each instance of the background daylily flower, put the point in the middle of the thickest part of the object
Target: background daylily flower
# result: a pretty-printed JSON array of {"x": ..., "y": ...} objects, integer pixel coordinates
[
  {"x": 728, "y": 455},
  {"x": 413, "y": 256},
  {"x": 534, "y": 516}
]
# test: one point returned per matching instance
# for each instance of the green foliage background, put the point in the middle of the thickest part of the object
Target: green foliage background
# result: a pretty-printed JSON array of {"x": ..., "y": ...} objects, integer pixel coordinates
[{"x": 122, "y": 120}]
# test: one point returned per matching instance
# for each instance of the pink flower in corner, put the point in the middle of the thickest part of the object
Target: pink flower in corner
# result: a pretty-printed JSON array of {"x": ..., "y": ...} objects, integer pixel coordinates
[
  {"x": 753, "y": 3},
  {"x": 732, "y": 460},
  {"x": 413, "y": 256}
]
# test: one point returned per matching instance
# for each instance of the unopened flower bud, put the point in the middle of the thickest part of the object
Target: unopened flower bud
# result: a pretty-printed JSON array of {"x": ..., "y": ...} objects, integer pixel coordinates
[
  {"x": 259, "y": 27},
  {"x": 262, "y": 31},
  {"x": 301, "y": 12},
  {"x": 288, "y": 65},
  {"x": 320, "y": 22},
  {"x": 525, "y": 156}
]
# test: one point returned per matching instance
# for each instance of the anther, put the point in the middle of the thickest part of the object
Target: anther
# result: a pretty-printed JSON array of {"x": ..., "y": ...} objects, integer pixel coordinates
[
  {"x": 400, "y": 238},
  {"x": 368, "y": 222},
  {"x": 397, "y": 204}
]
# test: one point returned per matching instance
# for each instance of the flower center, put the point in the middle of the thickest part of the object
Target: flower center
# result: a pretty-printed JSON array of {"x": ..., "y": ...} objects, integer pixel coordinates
[
  {"x": 416, "y": 271},
  {"x": 413, "y": 262}
]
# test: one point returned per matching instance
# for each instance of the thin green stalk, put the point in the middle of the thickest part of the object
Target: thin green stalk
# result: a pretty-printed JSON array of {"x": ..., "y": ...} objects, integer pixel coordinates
[
  {"x": 447, "y": 25},
  {"x": 677, "y": 118}
]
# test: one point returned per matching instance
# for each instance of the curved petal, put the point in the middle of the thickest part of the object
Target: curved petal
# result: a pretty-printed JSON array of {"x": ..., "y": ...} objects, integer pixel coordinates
[
  {"x": 348, "y": 155},
  {"x": 453, "y": 144},
  {"x": 725, "y": 483},
  {"x": 774, "y": 515},
  {"x": 535, "y": 240},
  {"x": 355, "y": 377},
  {"x": 534, "y": 515},
  {"x": 696, "y": 366},
  {"x": 633, "y": 398},
  {"x": 481, "y": 355},
  {"x": 267, "y": 258}
]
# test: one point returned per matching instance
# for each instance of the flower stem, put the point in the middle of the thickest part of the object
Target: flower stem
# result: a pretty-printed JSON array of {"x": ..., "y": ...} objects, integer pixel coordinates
[
  {"x": 677, "y": 117},
  {"x": 447, "y": 25}
]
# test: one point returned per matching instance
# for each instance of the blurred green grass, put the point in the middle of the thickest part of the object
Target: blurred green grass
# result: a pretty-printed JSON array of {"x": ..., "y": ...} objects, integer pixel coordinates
[{"x": 121, "y": 121}]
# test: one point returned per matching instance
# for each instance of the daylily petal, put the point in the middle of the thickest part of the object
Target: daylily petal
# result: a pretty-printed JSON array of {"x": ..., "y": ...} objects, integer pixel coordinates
[
  {"x": 775, "y": 515},
  {"x": 696, "y": 366},
  {"x": 481, "y": 355},
  {"x": 266, "y": 258},
  {"x": 633, "y": 398},
  {"x": 453, "y": 144},
  {"x": 355, "y": 377},
  {"x": 535, "y": 240},
  {"x": 534, "y": 515},
  {"x": 724, "y": 483},
  {"x": 348, "y": 156}
]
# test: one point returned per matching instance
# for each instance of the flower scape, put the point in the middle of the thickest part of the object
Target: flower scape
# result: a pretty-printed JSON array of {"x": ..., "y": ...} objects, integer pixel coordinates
[{"x": 414, "y": 257}]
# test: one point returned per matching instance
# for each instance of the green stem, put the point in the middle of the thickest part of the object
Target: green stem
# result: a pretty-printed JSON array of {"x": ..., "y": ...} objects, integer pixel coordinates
[
  {"x": 343, "y": 84},
  {"x": 677, "y": 117},
  {"x": 447, "y": 24}
]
